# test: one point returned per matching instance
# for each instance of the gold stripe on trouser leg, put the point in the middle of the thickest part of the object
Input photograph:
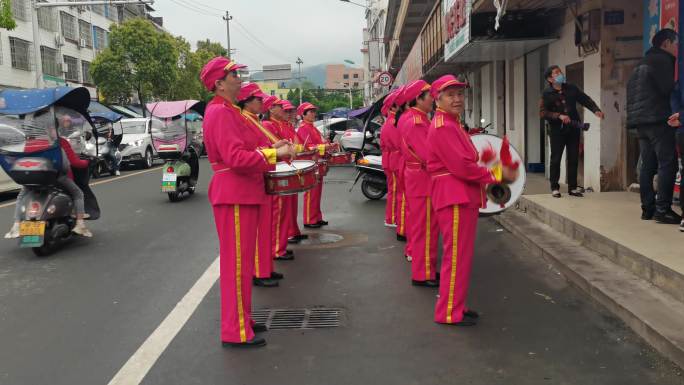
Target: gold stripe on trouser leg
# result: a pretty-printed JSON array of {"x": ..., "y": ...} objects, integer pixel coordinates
[
  {"x": 277, "y": 219},
  {"x": 308, "y": 206},
  {"x": 394, "y": 198},
  {"x": 427, "y": 240},
  {"x": 256, "y": 254},
  {"x": 238, "y": 275},
  {"x": 454, "y": 264},
  {"x": 402, "y": 229}
]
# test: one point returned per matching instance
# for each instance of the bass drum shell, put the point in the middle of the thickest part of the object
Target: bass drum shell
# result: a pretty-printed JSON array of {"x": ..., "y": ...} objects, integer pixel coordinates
[{"x": 508, "y": 193}]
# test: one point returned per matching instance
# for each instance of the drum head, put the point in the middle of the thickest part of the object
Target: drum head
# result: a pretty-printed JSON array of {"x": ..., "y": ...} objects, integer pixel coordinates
[
  {"x": 294, "y": 165},
  {"x": 500, "y": 196}
]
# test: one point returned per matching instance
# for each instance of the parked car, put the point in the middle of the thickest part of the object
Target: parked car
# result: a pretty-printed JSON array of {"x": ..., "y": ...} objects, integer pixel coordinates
[
  {"x": 349, "y": 133},
  {"x": 127, "y": 112},
  {"x": 7, "y": 184},
  {"x": 136, "y": 143}
]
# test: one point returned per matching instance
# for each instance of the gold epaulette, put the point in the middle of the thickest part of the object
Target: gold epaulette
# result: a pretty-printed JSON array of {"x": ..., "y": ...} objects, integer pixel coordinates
[
  {"x": 439, "y": 121},
  {"x": 417, "y": 120}
]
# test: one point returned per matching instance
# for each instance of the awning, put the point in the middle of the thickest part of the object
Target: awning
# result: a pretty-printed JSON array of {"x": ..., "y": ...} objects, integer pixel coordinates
[
  {"x": 484, "y": 50},
  {"x": 359, "y": 112}
]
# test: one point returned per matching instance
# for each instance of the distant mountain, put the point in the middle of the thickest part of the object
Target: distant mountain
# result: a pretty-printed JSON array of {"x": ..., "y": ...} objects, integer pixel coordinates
[{"x": 314, "y": 74}]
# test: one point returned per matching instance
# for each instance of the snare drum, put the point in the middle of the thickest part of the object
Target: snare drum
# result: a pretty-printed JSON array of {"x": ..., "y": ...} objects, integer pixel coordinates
[
  {"x": 322, "y": 167},
  {"x": 288, "y": 179},
  {"x": 339, "y": 158}
]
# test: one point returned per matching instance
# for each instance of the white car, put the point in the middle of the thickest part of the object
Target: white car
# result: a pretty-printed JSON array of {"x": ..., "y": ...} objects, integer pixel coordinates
[
  {"x": 136, "y": 143},
  {"x": 6, "y": 183}
]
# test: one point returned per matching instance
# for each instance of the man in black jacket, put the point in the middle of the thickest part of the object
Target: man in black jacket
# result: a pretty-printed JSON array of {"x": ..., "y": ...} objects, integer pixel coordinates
[
  {"x": 648, "y": 109},
  {"x": 559, "y": 107}
]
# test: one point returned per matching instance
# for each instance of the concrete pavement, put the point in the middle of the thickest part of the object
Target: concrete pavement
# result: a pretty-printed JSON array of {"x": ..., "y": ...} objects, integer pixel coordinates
[{"x": 76, "y": 317}]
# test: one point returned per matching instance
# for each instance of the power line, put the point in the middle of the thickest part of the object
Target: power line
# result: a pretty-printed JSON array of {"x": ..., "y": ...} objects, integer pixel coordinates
[
  {"x": 268, "y": 51},
  {"x": 194, "y": 9},
  {"x": 266, "y": 46},
  {"x": 210, "y": 7}
]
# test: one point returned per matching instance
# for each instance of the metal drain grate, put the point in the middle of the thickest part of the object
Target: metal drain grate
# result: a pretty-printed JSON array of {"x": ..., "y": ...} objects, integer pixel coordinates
[{"x": 315, "y": 318}]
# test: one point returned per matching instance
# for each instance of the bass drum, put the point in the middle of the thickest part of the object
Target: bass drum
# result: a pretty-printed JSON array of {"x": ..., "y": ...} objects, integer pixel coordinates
[{"x": 500, "y": 196}]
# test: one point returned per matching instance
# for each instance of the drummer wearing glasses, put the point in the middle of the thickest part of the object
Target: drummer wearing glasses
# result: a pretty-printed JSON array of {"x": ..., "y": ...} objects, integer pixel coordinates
[
  {"x": 457, "y": 193},
  {"x": 236, "y": 190}
]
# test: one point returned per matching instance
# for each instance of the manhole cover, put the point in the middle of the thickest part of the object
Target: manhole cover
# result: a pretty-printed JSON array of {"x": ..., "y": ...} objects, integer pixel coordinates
[
  {"x": 321, "y": 239},
  {"x": 315, "y": 318}
]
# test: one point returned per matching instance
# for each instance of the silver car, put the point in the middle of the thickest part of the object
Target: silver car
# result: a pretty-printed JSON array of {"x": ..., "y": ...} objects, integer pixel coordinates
[{"x": 136, "y": 143}]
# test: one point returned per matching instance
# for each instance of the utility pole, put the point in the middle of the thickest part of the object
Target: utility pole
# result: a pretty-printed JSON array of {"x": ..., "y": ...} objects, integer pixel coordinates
[
  {"x": 35, "y": 4},
  {"x": 228, "y": 18},
  {"x": 299, "y": 64}
]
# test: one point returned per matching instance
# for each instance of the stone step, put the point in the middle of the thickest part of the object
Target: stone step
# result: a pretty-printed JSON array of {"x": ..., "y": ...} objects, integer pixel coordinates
[{"x": 654, "y": 315}]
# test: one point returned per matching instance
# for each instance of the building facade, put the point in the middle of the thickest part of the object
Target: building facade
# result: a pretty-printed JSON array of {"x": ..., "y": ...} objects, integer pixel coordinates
[
  {"x": 69, "y": 39},
  {"x": 373, "y": 49},
  {"x": 503, "y": 52},
  {"x": 341, "y": 77}
]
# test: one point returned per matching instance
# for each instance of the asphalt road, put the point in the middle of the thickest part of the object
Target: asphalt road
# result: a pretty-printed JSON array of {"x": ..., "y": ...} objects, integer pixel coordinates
[{"x": 77, "y": 317}]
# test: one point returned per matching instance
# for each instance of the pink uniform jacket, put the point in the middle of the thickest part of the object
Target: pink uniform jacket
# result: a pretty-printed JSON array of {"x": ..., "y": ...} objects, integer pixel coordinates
[
  {"x": 232, "y": 150},
  {"x": 309, "y": 134},
  {"x": 388, "y": 143},
  {"x": 413, "y": 129},
  {"x": 457, "y": 178}
]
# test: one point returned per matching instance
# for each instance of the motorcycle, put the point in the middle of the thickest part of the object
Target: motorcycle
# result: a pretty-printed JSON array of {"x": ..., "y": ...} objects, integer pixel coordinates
[
  {"x": 176, "y": 146},
  {"x": 31, "y": 124},
  {"x": 105, "y": 150}
]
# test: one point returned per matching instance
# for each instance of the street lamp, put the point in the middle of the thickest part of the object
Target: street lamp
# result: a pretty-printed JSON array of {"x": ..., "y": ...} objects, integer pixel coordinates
[{"x": 351, "y": 2}]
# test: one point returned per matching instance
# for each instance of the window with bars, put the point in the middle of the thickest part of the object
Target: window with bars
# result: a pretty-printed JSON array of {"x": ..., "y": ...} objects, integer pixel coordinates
[
  {"x": 21, "y": 53},
  {"x": 100, "y": 38},
  {"x": 48, "y": 57},
  {"x": 46, "y": 19},
  {"x": 71, "y": 68},
  {"x": 85, "y": 69},
  {"x": 20, "y": 10},
  {"x": 68, "y": 26},
  {"x": 86, "y": 33},
  {"x": 99, "y": 9},
  {"x": 112, "y": 12}
]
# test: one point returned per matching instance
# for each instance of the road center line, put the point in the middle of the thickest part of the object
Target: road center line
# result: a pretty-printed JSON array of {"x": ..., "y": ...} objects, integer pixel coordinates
[
  {"x": 137, "y": 366},
  {"x": 101, "y": 182}
]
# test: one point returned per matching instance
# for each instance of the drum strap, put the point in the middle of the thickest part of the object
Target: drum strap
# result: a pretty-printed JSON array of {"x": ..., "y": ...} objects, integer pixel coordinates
[
  {"x": 413, "y": 153},
  {"x": 261, "y": 128},
  {"x": 219, "y": 167}
]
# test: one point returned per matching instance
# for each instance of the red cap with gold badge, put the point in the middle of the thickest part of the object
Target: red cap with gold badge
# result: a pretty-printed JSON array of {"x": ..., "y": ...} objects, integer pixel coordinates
[
  {"x": 445, "y": 82},
  {"x": 306, "y": 106},
  {"x": 216, "y": 69},
  {"x": 247, "y": 90}
]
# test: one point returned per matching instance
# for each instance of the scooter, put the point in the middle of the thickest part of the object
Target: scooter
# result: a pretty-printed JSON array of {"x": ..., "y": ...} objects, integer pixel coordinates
[
  {"x": 373, "y": 179},
  {"x": 176, "y": 146},
  {"x": 31, "y": 155},
  {"x": 106, "y": 152}
]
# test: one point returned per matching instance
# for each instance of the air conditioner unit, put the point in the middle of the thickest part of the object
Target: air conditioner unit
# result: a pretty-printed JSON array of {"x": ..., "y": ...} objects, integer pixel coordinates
[
  {"x": 82, "y": 43},
  {"x": 59, "y": 40}
]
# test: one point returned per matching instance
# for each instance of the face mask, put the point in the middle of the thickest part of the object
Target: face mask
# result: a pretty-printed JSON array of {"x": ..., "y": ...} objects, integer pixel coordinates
[{"x": 559, "y": 79}]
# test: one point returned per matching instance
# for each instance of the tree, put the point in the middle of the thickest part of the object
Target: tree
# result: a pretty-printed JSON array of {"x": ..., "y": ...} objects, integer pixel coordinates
[
  {"x": 210, "y": 46},
  {"x": 187, "y": 84},
  {"x": 6, "y": 17},
  {"x": 139, "y": 58}
]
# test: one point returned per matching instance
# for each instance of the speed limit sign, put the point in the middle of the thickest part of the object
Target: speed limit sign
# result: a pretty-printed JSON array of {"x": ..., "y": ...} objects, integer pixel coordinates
[{"x": 385, "y": 79}]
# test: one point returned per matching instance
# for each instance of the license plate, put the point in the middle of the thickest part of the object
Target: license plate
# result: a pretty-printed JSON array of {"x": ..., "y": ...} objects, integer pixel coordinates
[
  {"x": 169, "y": 177},
  {"x": 32, "y": 228},
  {"x": 169, "y": 182}
]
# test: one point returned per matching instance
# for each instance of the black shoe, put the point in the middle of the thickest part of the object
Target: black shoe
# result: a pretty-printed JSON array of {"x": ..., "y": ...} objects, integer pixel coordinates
[
  {"x": 471, "y": 314},
  {"x": 313, "y": 226},
  {"x": 286, "y": 257},
  {"x": 646, "y": 215},
  {"x": 264, "y": 282},
  {"x": 323, "y": 223},
  {"x": 254, "y": 343},
  {"x": 259, "y": 328},
  {"x": 293, "y": 240},
  {"x": 289, "y": 252},
  {"x": 428, "y": 283},
  {"x": 301, "y": 236},
  {"x": 669, "y": 218},
  {"x": 576, "y": 193},
  {"x": 556, "y": 194},
  {"x": 466, "y": 321},
  {"x": 276, "y": 275},
  {"x": 401, "y": 238}
]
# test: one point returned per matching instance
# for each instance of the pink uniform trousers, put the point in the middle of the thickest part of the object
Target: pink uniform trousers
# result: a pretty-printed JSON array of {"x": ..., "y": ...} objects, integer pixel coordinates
[
  {"x": 263, "y": 257},
  {"x": 312, "y": 204},
  {"x": 293, "y": 202},
  {"x": 236, "y": 226},
  {"x": 458, "y": 226},
  {"x": 391, "y": 203},
  {"x": 401, "y": 205},
  {"x": 423, "y": 239},
  {"x": 281, "y": 223}
]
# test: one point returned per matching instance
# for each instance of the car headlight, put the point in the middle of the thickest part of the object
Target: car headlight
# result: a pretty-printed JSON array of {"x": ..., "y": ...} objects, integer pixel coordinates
[{"x": 136, "y": 143}]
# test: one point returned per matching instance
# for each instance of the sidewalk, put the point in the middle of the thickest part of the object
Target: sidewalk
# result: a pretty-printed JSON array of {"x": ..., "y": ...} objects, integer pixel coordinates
[{"x": 633, "y": 267}]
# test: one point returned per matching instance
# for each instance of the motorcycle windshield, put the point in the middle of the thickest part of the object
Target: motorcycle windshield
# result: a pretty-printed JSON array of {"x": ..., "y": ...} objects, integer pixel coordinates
[
  {"x": 75, "y": 128},
  {"x": 171, "y": 136},
  {"x": 29, "y": 133}
]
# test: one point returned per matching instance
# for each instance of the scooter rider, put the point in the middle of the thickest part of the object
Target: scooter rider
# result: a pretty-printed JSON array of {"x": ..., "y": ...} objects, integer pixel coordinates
[
  {"x": 111, "y": 154},
  {"x": 65, "y": 180}
]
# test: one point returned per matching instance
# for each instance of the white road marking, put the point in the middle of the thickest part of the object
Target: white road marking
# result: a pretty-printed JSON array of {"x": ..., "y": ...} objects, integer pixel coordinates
[
  {"x": 101, "y": 182},
  {"x": 137, "y": 366}
]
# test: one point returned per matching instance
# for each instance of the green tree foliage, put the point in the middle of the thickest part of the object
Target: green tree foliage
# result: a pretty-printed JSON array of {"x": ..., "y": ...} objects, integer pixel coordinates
[
  {"x": 6, "y": 17},
  {"x": 213, "y": 47},
  {"x": 140, "y": 58},
  {"x": 324, "y": 99}
]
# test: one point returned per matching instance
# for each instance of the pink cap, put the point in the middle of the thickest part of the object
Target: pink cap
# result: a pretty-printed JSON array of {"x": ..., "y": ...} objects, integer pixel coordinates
[
  {"x": 389, "y": 101},
  {"x": 216, "y": 69},
  {"x": 247, "y": 90},
  {"x": 412, "y": 91},
  {"x": 269, "y": 101},
  {"x": 287, "y": 106},
  {"x": 305, "y": 107},
  {"x": 445, "y": 82}
]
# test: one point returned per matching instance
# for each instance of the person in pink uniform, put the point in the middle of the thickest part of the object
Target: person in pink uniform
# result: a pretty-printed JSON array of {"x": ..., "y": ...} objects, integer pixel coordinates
[
  {"x": 236, "y": 190},
  {"x": 457, "y": 192},
  {"x": 250, "y": 100},
  {"x": 424, "y": 232},
  {"x": 388, "y": 147},
  {"x": 274, "y": 121},
  {"x": 398, "y": 165},
  {"x": 312, "y": 139},
  {"x": 294, "y": 233}
]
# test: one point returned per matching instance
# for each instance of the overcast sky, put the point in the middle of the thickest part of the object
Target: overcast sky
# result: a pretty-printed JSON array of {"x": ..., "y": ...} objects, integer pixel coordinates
[{"x": 318, "y": 31}]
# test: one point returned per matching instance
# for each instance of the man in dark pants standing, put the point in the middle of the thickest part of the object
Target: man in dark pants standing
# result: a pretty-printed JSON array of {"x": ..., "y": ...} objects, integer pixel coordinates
[
  {"x": 559, "y": 107},
  {"x": 649, "y": 90},
  {"x": 675, "y": 121}
]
